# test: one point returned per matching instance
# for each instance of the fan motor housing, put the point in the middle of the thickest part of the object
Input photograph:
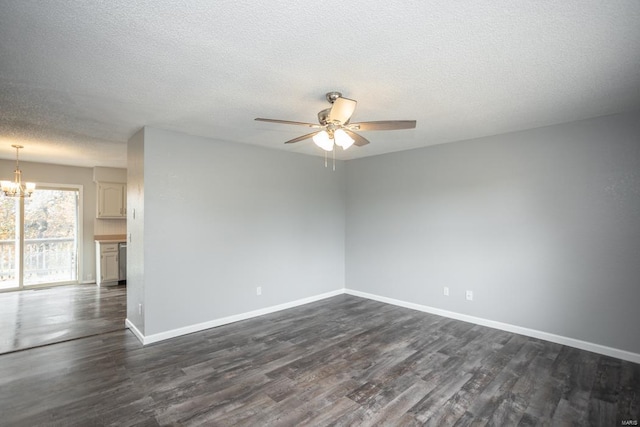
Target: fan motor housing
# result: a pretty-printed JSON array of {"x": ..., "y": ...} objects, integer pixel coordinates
[{"x": 322, "y": 116}]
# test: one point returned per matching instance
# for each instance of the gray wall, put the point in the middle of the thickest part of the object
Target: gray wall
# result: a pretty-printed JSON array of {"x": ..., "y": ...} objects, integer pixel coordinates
[
  {"x": 56, "y": 174},
  {"x": 543, "y": 226},
  {"x": 222, "y": 218}
]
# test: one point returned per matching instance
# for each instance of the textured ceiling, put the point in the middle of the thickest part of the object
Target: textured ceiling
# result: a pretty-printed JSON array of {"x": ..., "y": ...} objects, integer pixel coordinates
[{"x": 78, "y": 79}]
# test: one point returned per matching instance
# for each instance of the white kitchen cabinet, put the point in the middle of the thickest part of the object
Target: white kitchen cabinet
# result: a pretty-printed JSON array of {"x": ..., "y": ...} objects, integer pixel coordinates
[
  {"x": 107, "y": 263},
  {"x": 112, "y": 200}
]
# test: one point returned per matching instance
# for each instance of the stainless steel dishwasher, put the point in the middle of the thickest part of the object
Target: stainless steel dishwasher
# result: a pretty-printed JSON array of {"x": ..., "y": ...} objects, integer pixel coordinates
[{"x": 122, "y": 258}]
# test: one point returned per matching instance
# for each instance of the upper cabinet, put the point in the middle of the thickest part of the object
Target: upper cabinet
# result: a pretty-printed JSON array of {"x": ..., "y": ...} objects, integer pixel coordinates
[{"x": 112, "y": 200}]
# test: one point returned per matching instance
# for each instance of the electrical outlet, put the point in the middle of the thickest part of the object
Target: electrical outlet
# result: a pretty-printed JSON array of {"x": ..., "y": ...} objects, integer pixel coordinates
[
  {"x": 469, "y": 295},
  {"x": 446, "y": 291},
  {"x": 89, "y": 276},
  {"x": 259, "y": 290}
]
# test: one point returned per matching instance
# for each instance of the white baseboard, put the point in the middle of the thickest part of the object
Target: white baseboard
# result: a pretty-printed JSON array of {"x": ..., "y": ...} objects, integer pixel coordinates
[
  {"x": 148, "y": 339},
  {"x": 558, "y": 339},
  {"x": 136, "y": 331}
]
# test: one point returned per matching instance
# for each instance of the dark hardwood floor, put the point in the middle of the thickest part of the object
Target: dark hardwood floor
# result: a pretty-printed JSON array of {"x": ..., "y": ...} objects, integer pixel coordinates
[
  {"x": 36, "y": 317},
  {"x": 340, "y": 361}
]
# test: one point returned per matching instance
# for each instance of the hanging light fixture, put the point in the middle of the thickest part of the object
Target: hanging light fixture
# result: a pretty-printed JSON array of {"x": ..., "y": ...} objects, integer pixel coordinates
[
  {"x": 325, "y": 140},
  {"x": 16, "y": 188},
  {"x": 342, "y": 139}
]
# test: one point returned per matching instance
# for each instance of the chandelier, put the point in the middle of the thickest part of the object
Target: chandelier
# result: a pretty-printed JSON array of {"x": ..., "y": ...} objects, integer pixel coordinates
[{"x": 16, "y": 188}]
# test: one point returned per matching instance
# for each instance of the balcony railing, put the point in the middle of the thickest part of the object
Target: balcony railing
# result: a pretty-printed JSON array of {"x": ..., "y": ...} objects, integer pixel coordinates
[{"x": 45, "y": 261}]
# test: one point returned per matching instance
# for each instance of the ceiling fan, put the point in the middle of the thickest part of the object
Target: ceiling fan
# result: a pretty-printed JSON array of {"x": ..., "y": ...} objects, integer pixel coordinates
[{"x": 334, "y": 126}]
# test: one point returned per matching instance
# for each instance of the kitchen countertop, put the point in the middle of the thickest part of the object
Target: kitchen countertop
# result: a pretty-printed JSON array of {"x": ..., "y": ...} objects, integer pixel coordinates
[{"x": 110, "y": 238}]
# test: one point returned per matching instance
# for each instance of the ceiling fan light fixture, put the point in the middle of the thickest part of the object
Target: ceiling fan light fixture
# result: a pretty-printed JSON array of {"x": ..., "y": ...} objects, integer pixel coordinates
[
  {"x": 342, "y": 139},
  {"x": 322, "y": 140},
  {"x": 335, "y": 127}
]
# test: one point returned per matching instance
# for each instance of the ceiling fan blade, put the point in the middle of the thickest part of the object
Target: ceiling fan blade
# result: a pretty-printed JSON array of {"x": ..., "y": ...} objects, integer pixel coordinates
[
  {"x": 357, "y": 139},
  {"x": 288, "y": 122},
  {"x": 384, "y": 125},
  {"x": 341, "y": 110},
  {"x": 303, "y": 137}
]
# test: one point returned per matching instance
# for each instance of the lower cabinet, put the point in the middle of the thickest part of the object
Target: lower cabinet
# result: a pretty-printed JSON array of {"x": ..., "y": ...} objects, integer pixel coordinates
[{"x": 107, "y": 263}]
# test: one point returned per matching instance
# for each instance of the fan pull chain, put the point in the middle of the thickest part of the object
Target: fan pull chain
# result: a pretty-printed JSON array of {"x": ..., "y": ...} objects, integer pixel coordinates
[
  {"x": 325, "y": 159},
  {"x": 334, "y": 158}
]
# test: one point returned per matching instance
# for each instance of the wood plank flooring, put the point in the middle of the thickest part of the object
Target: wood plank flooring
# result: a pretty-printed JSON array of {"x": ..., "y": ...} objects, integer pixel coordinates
[
  {"x": 36, "y": 317},
  {"x": 341, "y": 361}
]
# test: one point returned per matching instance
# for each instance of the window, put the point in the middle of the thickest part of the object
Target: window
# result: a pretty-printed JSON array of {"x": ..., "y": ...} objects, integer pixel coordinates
[{"x": 39, "y": 238}]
